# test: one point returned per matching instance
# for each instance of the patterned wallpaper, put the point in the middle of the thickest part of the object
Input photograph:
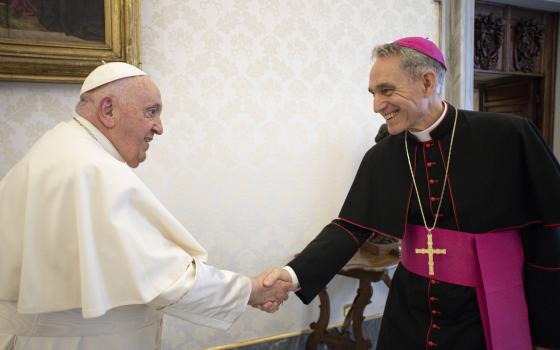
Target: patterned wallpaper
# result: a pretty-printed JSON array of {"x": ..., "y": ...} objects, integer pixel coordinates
[{"x": 266, "y": 118}]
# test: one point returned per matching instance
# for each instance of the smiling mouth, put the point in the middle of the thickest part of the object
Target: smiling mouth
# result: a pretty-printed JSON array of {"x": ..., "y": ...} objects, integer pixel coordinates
[{"x": 390, "y": 116}]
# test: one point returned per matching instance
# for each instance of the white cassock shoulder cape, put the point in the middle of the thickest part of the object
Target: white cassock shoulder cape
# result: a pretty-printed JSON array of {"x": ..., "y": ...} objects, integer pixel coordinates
[{"x": 80, "y": 230}]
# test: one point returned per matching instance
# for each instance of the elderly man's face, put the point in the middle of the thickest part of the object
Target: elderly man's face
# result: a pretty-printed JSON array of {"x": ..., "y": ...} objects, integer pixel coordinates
[
  {"x": 401, "y": 101},
  {"x": 137, "y": 111}
]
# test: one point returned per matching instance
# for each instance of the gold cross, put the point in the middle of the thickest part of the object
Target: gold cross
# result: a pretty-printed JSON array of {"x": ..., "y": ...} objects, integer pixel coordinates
[{"x": 430, "y": 251}]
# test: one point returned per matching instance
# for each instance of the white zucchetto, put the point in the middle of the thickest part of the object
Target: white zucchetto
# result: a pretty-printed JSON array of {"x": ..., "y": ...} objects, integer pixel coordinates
[{"x": 109, "y": 72}]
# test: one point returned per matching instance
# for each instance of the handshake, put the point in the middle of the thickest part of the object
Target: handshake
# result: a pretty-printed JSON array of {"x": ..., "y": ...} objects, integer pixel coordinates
[{"x": 270, "y": 289}]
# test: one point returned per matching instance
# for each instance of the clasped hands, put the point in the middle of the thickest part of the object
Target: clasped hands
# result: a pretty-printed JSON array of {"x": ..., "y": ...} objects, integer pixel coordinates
[{"x": 270, "y": 289}]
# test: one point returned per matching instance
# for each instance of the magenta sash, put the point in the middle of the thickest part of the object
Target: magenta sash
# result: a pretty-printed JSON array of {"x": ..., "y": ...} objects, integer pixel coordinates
[{"x": 492, "y": 263}]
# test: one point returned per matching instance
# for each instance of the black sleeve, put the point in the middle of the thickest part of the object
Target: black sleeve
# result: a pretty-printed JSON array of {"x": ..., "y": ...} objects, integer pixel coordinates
[
  {"x": 543, "y": 176},
  {"x": 541, "y": 242},
  {"x": 542, "y": 283},
  {"x": 325, "y": 255}
]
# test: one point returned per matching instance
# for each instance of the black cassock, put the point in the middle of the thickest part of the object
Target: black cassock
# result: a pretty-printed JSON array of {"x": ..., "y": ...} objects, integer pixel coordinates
[{"x": 502, "y": 176}]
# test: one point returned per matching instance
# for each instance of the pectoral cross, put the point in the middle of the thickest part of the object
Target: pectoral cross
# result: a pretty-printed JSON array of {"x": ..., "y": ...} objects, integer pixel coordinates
[{"x": 430, "y": 251}]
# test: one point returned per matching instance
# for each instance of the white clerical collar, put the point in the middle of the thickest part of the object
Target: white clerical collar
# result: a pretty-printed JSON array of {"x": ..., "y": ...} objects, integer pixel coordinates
[
  {"x": 98, "y": 135},
  {"x": 424, "y": 135}
]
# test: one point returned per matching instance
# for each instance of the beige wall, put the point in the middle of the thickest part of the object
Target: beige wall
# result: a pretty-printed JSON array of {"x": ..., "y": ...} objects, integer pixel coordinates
[{"x": 266, "y": 116}]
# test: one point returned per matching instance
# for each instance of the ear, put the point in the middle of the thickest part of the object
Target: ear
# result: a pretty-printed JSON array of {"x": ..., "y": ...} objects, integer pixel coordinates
[
  {"x": 429, "y": 81},
  {"x": 105, "y": 112}
]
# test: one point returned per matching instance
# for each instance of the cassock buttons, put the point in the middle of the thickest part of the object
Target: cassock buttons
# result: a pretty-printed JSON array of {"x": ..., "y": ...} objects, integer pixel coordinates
[
  {"x": 436, "y": 312},
  {"x": 430, "y": 164},
  {"x": 434, "y": 199},
  {"x": 434, "y": 299},
  {"x": 428, "y": 144},
  {"x": 434, "y": 282},
  {"x": 435, "y": 326},
  {"x": 433, "y": 181},
  {"x": 431, "y": 344}
]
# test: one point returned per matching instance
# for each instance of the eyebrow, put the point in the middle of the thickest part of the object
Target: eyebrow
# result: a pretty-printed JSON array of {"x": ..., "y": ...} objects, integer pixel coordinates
[
  {"x": 384, "y": 86},
  {"x": 381, "y": 87},
  {"x": 156, "y": 105}
]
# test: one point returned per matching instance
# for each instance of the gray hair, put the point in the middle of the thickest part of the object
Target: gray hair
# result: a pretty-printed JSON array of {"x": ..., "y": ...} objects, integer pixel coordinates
[
  {"x": 412, "y": 62},
  {"x": 116, "y": 89},
  {"x": 84, "y": 99}
]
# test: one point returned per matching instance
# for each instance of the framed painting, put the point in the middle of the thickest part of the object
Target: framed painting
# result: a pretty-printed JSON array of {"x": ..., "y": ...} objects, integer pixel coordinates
[{"x": 64, "y": 40}]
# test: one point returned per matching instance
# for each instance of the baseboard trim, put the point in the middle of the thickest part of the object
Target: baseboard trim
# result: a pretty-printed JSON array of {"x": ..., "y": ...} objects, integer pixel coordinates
[{"x": 281, "y": 336}]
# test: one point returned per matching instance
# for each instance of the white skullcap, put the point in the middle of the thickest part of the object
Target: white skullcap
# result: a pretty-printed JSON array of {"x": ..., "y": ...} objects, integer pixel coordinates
[{"x": 109, "y": 72}]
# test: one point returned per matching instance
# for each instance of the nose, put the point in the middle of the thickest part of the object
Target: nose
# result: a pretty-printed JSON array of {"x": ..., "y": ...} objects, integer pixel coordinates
[
  {"x": 158, "y": 126},
  {"x": 379, "y": 104}
]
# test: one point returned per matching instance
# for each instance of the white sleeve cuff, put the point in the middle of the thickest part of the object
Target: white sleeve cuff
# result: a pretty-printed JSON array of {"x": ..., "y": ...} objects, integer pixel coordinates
[{"x": 293, "y": 275}]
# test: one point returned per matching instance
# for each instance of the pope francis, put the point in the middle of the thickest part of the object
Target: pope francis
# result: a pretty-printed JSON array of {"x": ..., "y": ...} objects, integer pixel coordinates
[{"x": 90, "y": 259}]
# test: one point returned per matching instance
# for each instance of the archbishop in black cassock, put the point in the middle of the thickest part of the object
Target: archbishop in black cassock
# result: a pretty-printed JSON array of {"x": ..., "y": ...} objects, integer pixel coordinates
[{"x": 502, "y": 176}]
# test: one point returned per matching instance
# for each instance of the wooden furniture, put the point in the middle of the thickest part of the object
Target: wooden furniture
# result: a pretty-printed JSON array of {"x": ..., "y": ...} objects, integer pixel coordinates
[
  {"x": 368, "y": 266},
  {"x": 515, "y": 53}
]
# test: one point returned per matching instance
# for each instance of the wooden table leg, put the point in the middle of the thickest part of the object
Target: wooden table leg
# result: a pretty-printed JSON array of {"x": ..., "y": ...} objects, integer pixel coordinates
[
  {"x": 320, "y": 327},
  {"x": 363, "y": 298},
  {"x": 340, "y": 339}
]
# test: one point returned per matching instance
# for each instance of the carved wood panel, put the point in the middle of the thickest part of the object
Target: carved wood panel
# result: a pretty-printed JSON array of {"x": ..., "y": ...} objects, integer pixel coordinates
[
  {"x": 512, "y": 39},
  {"x": 527, "y": 29},
  {"x": 515, "y": 62},
  {"x": 489, "y": 37}
]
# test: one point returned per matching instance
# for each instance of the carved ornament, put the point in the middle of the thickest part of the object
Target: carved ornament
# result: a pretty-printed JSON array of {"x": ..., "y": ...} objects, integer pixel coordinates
[
  {"x": 488, "y": 38},
  {"x": 527, "y": 45}
]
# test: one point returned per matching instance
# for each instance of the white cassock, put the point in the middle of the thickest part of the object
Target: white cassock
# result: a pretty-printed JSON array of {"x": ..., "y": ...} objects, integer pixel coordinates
[{"x": 89, "y": 257}]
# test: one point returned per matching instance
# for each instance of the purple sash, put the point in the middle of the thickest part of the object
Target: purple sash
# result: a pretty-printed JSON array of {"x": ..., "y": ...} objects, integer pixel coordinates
[{"x": 492, "y": 263}]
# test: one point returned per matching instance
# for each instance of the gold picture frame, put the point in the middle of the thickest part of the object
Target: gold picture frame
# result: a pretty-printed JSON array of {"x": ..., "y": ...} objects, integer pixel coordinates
[{"x": 46, "y": 60}]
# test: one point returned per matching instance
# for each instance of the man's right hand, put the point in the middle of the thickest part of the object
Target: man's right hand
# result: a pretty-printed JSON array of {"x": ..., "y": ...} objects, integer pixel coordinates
[{"x": 270, "y": 289}]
